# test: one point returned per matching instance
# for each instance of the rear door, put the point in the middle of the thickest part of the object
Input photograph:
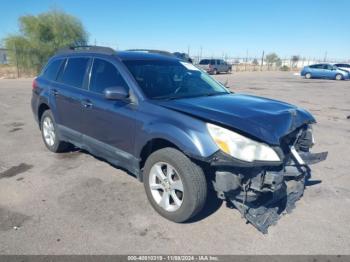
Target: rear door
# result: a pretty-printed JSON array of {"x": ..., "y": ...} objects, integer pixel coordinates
[
  {"x": 43, "y": 84},
  {"x": 317, "y": 70},
  {"x": 67, "y": 97},
  {"x": 108, "y": 125}
]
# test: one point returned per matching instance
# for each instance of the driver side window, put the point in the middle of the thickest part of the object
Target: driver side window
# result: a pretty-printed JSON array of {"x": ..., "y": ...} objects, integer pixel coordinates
[{"x": 103, "y": 75}]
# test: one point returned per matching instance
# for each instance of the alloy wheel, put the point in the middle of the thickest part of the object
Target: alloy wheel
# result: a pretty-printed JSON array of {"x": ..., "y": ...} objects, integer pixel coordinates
[
  {"x": 338, "y": 77},
  {"x": 166, "y": 186},
  {"x": 49, "y": 131}
]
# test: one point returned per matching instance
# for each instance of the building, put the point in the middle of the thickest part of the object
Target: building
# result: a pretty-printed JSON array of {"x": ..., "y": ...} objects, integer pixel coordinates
[{"x": 3, "y": 56}]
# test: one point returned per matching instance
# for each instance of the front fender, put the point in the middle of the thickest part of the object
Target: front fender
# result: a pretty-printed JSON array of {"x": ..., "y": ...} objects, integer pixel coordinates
[{"x": 194, "y": 142}]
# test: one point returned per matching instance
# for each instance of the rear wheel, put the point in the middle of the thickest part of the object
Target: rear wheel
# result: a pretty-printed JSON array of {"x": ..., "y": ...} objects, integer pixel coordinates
[
  {"x": 308, "y": 75},
  {"x": 50, "y": 135},
  {"x": 215, "y": 71},
  {"x": 338, "y": 77},
  {"x": 175, "y": 186}
]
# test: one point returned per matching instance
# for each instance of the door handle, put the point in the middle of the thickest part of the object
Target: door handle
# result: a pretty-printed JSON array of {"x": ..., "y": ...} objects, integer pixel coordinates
[
  {"x": 86, "y": 103},
  {"x": 54, "y": 92}
]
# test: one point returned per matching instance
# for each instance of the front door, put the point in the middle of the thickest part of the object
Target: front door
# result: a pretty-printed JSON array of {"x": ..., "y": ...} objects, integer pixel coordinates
[{"x": 108, "y": 125}]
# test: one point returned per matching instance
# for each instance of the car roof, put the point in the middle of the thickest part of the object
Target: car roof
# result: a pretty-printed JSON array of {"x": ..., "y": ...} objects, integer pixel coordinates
[
  {"x": 140, "y": 55},
  {"x": 122, "y": 55}
]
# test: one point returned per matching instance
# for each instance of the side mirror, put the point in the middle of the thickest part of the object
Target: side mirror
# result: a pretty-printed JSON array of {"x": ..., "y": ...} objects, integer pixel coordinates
[{"x": 116, "y": 93}]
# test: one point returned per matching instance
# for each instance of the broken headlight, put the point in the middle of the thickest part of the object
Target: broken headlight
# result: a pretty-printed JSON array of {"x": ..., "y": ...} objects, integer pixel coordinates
[{"x": 241, "y": 147}]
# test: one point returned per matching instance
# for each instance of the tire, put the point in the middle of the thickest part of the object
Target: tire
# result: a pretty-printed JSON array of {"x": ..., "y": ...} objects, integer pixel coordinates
[
  {"x": 308, "y": 76},
  {"x": 215, "y": 71},
  {"x": 50, "y": 135},
  {"x": 180, "y": 168},
  {"x": 338, "y": 77}
]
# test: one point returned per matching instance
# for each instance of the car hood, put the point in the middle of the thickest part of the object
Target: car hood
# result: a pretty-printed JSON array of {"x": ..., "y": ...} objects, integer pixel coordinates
[
  {"x": 343, "y": 70},
  {"x": 264, "y": 119}
]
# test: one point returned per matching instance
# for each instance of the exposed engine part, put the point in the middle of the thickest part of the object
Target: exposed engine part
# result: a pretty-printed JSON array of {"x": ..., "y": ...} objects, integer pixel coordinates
[
  {"x": 263, "y": 195},
  {"x": 305, "y": 141},
  {"x": 225, "y": 181}
]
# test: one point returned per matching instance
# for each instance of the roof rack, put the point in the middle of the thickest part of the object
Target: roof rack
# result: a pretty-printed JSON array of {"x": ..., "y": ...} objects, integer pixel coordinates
[
  {"x": 153, "y": 51},
  {"x": 87, "y": 48}
]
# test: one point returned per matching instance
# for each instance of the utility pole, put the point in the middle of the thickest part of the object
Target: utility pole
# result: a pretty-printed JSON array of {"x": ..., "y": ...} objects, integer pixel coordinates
[
  {"x": 95, "y": 42},
  {"x": 246, "y": 61},
  {"x": 16, "y": 61},
  {"x": 188, "y": 50},
  {"x": 325, "y": 57},
  {"x": 262, "y": 60},
  {"x": 201, "y": 53}
]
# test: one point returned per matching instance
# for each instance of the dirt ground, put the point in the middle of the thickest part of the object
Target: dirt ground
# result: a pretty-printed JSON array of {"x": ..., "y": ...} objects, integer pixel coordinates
[{"x": 73, "y": 203}]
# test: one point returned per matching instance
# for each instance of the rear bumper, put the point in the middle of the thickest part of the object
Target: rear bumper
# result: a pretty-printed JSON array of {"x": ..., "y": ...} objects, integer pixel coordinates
[{"x": 35, "y": 105}]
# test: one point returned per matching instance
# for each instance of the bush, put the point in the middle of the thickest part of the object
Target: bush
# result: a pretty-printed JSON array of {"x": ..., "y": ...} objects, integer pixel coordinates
[{"x": 285, "y": 68}]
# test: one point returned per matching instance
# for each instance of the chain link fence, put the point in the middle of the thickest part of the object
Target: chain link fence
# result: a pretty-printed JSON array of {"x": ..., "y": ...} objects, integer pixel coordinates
[
  {"x": 17, "y": 63},
  {"x": 241, "y": 64}
]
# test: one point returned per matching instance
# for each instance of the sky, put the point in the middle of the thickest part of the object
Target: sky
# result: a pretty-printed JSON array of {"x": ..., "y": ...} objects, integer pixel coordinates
[{"x": 234, "y": 28}]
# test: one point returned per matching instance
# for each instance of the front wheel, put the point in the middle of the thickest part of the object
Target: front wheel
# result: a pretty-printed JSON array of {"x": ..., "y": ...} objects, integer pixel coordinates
[
  {"x": 175, "y": 186},
  {"x": 338, "y": 77}
]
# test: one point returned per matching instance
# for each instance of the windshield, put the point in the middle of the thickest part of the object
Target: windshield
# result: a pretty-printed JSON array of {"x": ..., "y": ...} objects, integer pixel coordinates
[{"x": 173, "y": 79}]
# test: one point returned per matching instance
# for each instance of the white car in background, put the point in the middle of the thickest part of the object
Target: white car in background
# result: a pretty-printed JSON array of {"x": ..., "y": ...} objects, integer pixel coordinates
[{"x": 345, "y": 67}]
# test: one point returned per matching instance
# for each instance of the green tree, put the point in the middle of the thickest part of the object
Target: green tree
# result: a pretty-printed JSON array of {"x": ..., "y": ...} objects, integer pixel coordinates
[
  {"x": 273, "y": 59},
  {"x": 41, "y": 36}
]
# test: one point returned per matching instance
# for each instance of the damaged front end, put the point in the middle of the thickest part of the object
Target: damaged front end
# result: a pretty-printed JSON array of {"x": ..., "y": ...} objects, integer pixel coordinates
[{"x": 262, "y": 192}]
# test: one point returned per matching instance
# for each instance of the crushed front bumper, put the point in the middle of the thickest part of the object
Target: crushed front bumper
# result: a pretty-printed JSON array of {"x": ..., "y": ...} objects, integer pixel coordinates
[{"x": 262, "y": 194}]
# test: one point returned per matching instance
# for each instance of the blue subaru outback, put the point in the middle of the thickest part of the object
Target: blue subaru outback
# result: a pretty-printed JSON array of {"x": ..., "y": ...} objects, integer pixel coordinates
[{"x": 178, "y": 130}]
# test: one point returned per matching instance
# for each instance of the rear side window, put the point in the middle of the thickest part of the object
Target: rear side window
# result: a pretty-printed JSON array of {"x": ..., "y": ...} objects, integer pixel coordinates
[
  {"x": 104, "y": 74},
  {"x": 52, "y": 69},
  {"x": 212, "y": 62},
  {"x": 74, "y": 72},
  {"x": 318, "y": 66}
]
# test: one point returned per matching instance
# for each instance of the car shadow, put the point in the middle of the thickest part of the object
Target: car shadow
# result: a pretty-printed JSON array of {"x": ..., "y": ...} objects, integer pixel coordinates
[
  {"x": 312, "y": 182},
  {"x": 212, "y": 204}
]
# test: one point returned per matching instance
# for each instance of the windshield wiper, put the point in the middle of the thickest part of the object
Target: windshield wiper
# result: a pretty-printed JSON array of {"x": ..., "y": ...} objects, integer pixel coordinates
[
  {"x": 166, "y": 97},
  {"x": 216, "y": 94},
  {"x": 193, "y": 96}
]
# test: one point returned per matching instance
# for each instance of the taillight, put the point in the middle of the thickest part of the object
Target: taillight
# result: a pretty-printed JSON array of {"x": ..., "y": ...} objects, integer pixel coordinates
[{"x": 34, "y": 84}]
